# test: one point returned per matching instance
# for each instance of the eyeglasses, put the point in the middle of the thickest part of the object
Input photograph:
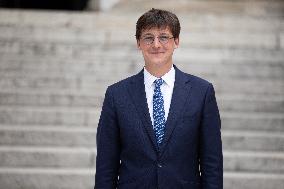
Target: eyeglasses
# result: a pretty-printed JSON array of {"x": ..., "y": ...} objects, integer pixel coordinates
[{"x": 163, "y": 39}]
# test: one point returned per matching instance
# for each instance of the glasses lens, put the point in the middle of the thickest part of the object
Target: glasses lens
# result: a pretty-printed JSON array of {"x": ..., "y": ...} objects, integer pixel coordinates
[
  {"x": 164, "y": 39},
  {"x": 148, "y": 40}
]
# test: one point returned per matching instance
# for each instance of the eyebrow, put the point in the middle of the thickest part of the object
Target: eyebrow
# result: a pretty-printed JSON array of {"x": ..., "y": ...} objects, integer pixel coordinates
[
  {"x": 147, "y": 34},
  {"x": 154, "y": 35}
]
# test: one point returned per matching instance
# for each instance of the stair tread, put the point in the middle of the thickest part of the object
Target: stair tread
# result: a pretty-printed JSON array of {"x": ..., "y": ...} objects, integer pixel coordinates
[{"x": 91, "y": 171}]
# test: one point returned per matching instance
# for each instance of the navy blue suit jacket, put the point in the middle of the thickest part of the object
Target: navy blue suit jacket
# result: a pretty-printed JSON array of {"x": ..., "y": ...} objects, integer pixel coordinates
[{"x": 190, "y": 156}]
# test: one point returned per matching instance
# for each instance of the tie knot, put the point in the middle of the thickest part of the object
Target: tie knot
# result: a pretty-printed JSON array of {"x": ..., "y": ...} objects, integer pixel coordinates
[{"x": 158, "y": 82}]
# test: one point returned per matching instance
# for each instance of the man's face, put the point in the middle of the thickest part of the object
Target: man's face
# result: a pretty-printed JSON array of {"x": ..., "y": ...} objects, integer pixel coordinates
[{"x": 157, "y": 46}]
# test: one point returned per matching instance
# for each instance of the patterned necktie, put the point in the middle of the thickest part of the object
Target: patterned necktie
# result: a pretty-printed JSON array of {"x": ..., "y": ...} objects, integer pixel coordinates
[{"x": 158, "y": 111}]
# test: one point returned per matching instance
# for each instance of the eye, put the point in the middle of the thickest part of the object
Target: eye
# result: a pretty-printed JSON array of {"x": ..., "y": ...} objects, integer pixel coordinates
[
  {"x": 148, "y": 38},
  {"x": 164, "y": 38}
]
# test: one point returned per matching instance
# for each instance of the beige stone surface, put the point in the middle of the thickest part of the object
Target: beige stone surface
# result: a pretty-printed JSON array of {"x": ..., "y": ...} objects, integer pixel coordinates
[{"x": 56, "y": 66}]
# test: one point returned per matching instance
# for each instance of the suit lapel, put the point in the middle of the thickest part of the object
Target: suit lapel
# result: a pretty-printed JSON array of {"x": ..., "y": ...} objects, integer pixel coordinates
[
  {"x": 181, "y": 91},
  {"x": 137, "y": 92},
  {"x": 180, "y": 95}
]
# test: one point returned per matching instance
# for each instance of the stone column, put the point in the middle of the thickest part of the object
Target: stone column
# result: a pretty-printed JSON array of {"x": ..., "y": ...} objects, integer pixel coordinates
[{"x": 101, "y": 5}]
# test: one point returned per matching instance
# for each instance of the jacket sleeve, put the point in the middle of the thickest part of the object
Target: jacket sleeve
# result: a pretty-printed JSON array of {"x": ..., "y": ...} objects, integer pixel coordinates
[
  {"x": 211, "y": 157},
  {"x": 108, "y": 146}
]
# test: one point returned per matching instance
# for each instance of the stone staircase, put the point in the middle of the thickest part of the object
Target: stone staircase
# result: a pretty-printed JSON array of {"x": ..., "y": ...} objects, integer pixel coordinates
[{"x": 55, "y": 67}]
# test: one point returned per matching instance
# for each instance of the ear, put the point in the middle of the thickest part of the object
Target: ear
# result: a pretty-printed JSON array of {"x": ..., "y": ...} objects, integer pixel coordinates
[
  {"x": 138, "y": 44},
  {"x": 176, "y": 43}
]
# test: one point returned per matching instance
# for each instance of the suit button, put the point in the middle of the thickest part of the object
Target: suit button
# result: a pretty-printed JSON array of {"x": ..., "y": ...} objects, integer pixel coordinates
[{"x": 159, "y": 165}]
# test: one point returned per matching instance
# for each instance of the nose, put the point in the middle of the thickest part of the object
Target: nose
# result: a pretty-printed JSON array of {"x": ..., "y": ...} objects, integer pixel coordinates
[{"x": 156, "y": 42}]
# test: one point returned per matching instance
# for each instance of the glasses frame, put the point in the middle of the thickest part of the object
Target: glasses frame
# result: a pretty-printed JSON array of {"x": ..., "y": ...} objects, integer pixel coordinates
[{"x": 154, "y": 37}]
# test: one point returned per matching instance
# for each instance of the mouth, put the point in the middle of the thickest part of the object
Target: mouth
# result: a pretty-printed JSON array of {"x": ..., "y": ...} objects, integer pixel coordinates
[{"x": 156, "y": 52}]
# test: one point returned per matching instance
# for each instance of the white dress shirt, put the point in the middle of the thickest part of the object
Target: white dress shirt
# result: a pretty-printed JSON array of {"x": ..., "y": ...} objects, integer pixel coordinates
[{"x": 166, "y": 89}]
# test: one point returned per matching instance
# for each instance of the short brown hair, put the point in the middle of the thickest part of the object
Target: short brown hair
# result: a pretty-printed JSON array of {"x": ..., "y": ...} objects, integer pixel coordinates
[{"x": 157, "y": 18}]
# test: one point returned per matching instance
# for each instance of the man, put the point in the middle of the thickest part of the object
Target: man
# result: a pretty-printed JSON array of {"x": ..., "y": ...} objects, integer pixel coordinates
[{"x": 159, "y": 129}]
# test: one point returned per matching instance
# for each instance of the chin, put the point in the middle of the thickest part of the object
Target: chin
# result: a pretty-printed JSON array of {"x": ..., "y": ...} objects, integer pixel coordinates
[{"x": 158, "y": 63}]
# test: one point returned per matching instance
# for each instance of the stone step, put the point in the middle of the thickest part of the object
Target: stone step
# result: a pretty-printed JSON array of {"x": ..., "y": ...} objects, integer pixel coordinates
[
  {"x": 253, "y": 140},
  {"x": 85, "y": 137},
  {"x": 242, "y": 161},
  {"x": 236, "y": 71},
  {"x": 120, "y": 21},
  {"x": 212, "y": 25},
  {"x": 105, "y": 40},
  {"x": 57, "y": 66},
  {"x": 228, "y": 23},
  {"x": 103, "y": 58},
  {"x": 245, "y": 69},
  {"x": 47, "y": 178},
  {"x": 98, "y": 83},
  {"x": 48, "y": 137},
  {"x": 39, "y": 178},
  {"x": 230, "y": 120},
  {"x": 248, "y": 87},
  {"x": 221, "y": 7},
  {"x": 47, "y": 157},
  {"x": 232, "y": 103},
  {"x": 228, "y": 56},
  {"x": 59, "y": 157},
  {"x": 233, "y": 180},
  {"x": 90, "y": 52},
  {"x": 250, "y": 104},
  {"x": 122, "y": 69},
  {"x": 252, "y": 121},
  {"x": 50, "y": 100},
  {"x": 41, "y": 117},
  {"x": 88, "y": 117},
  {"x": 213, "y": 39}
]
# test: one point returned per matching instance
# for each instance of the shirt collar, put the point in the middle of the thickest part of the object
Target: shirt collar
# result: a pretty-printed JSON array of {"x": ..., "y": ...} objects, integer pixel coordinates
[{"x": 169, "y": 78}]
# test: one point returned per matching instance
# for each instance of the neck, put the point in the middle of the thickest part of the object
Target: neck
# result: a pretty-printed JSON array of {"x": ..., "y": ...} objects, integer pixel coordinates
[{"x": 158, "y": 70}]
